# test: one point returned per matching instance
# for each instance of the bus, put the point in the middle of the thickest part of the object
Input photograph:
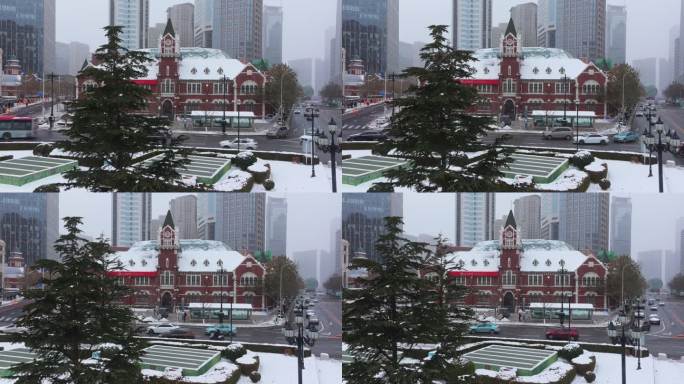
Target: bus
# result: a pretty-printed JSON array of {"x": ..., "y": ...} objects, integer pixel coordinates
[{"x": 13, "y": 127}]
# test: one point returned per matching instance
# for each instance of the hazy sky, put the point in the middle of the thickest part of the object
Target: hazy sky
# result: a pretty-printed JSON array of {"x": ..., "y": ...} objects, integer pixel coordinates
[
  {"x": 82, "y": 20},
  {"x": 648, "y": 21},
  {"x": 310, "y": 216},
  {"x": 653, "y": 217}
]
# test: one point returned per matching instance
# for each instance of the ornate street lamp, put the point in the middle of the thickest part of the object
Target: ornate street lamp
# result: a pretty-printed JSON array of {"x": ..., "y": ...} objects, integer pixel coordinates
[
  {"x": 329, "y": 146},
  {"x": 622, "y": 338},
  {"x": 301, "y": 335},
  {"x": 312, "y": 113}
]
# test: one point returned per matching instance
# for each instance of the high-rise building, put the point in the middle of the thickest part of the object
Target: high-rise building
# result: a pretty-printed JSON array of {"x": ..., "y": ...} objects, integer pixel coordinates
[
  {"x": 370, "y": 32},
  {"x": 304, "y": 70},
  {"x": 527, "y": 212},
  {"x": 237, "y": 28},
  {"x": 499, "y": 224},
  {"x": 183, "y": 19},
  {"x": 337, "y": 59},
  {"x": 525, "y": 18},
  {"x": 308, "y": 263},
  {"x": 550, "y": 216},
  {"x": 206, "y": 216},
  {"x": 29, "y": 223},
  {"x": 672, "y": 266},
  {"x": 616, "y": 34},
  {"x": 272, "y": 34},
  {"x": 679, "y": 242},
  {"x": 240, "y": 221},
  {"x": 155, "y": 226},
  {"x": 62, "y": 58},
  {"x": 363, "y": 221},
  {"x": 345, "y": 262},
  {"x": 547, "y": 23},
  {"x": 498, "y": 32},
  {"x": 647, "y": 69},
  {"x": 472, "y": 24},
  {"x": 581, "y": 29},
  {"x": 276, "y": 226},
  {"x": 131, "y": 215},
  {"x": 184, "y": 212},
  {"x": 621, "y": 226},
  {"x": 78, "y": 52},
  {"x": 27, "y": 33},
  {"x": 680, "y": 45},
  {"x": 665, "y": 72},
  {"x": 652, "y": 264},
  {"x": 154, "y": 34},
  {"x": 204, "y": 23},
  {"x": 672, "y": 52},
  {"x": 474, "y": 218},
  {"x": 134, "y": 17},
  {"x": 584, "y": 220}
]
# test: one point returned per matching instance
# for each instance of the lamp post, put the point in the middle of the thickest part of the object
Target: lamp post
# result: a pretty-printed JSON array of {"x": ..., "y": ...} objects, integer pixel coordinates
[
  {"x": 561, "y": 315},
  {"x": 237, "y": 104},
  {"x": 670, "y": 141},
  {"x": 648, "y": 140},
  {"x": 577, "y": 122},
  {"x": 329, "y": 146},
  {"x": 612, "y": 333},
  {"x": 225, "y": 87},
  {"x": 312, "y": 113},
  {"x": 221, "y": 273},
  {"x": 51, "y": 119},
  {"x": 300, "y": 336}
]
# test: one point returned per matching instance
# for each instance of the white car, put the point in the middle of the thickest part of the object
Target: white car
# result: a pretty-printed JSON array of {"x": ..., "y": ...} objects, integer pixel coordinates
[
  {"x": 592, "y": 138},
  {"x": 12, "y": 328},
  {"x": 639, "y": 114},
  {"x": 160, "y": 329},
  {"x": 248, "y": 144}
]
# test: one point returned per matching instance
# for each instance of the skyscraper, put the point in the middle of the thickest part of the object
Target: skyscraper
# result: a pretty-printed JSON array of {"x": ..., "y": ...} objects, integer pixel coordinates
[
  {"x": 525, "y": 18},
  {"x": 471, "y": 24},
  {"x": 616, "y": 34},
  {"x": 204, "y": 23},
  {"x": 647, "y": 69},
  {"x": 363, "y": 221},
  {"x": 276, "y": 226},
  {"x": 370, "y": 32},
  {"x": 206, "y": 216},
  {"x": 134, "y": 17},
  {"x": 131, "y": 215},
  {"x": 582, "y": 28},
  {"x": 652, "y": 264},
  {"x": 498, "y": 32},
  {"x": 304, "y": 70},
  {"x": 29, "y": 223},
  {"x": 527, "y": 212},
  {"x": 550, "y": 216},
  {"x": 679, "y": 243},
  {"x": 680, "y": 45},
  {"x": 621, "y": 226},
  {"x": 237, "y": 28},
  {"x": 474, "y": 218},
  {"x": 584, "y": 220},
  {"x": 27, "y": 33},
  {"x": 547, "y": 22},
  {"x": 184, "y": 213},
  {"x": 154, "y": 34},
  {"x": 240, "y": 221},
  {"x": 272, "y": 35},
  {"x": 183, "y": 19}
]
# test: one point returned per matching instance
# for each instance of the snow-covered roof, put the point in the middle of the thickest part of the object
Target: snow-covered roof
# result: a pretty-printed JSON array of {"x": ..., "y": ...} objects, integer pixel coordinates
[
  {"x": 537, "y": 64},
  {"x": 198, "y": 64},
  {"x": 536, "y": 256},
  {"x": 194, "y": 256}
]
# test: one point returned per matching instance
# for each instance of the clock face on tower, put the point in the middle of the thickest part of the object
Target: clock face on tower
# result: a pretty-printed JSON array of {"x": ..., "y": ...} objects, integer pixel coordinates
[
  {"x": 167, "y": 234},
  {"x": 168, "y": 42},
  {"x": 508, "y": 234},
  {"x": 509, "y": 41}
]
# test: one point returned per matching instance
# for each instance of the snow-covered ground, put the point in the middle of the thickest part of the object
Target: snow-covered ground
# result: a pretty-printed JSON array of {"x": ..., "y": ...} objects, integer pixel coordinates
[
  {"x": 288, "y": 177},
  {"x": 653, "y": 370}
]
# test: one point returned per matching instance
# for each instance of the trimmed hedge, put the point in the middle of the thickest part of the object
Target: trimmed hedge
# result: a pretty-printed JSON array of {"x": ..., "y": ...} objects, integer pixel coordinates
[
  {"x": 570, "y": 351},
  {"x": 582, "y": 369},
  {"x": 255, "y": 377},
  {"x": 234, "y": 352},
  {"x": 597, "y": 176},
  {"x": 10, "y": 146},
  {"x": 247, "y": 369},
  {"x": 582, "y": 159},
  {"x": 604, "y": 155},
  {"x": 269, "y": 184},
  {"x": 244, "y": 160},
  {"x": 358, "y": 145},
  {"x": 590, "y": 377},
  {"x": 8, "y": 157},
  {"x": 43, "y": 150},
  {"x": 604, "y": 184}
]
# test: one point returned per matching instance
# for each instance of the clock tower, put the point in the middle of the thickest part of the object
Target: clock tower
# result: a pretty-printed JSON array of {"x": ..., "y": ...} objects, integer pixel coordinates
[
  {"x": 168, "y": 245},
  {"x": 510, "y": 245},
  {"x": 509, "y": 74}
]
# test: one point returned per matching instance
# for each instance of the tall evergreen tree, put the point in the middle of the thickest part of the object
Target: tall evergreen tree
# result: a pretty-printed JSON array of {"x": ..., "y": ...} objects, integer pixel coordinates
[
  {"x": 108, "y": 134},
  {"x": 436, "y": 130},
  {"x": 76, "y": 314},
  {"x": 396, "y": 311}
]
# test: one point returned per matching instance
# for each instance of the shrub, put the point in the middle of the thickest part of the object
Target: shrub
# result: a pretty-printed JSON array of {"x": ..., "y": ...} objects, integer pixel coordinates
[
  {"x": 7, "y": 157},
  {"x": 43, "y": 150},
  {"x": 596, "y": 171},
  {"x": 234, "y": 352},
  {"x": 248, "y": 364},
  {"x": 604, "y": 184},
  {"x": 570, "y": 351},
  {"x": 590, "y": 377},
  {"x": 47, "y": 188},
  {"x": 260, "y": 171},
  {"x": 244, "y": 160},
  {"x": 255, "y": 377},
  {"x": 584, "y": 363},
  {"x": 269, "y": 184},
  {"x": 581, "y": 159}
]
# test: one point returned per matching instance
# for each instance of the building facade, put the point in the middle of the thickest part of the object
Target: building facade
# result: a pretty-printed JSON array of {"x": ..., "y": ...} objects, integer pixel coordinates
[
  {"x": 134, "y": 17},
  {"x": 616, "y": 34},
  {"x": 183, "y": 18},
  {"x": 514, "y": 273},
  {"x": 27, "y": 34},
  {"x": 582, "y": 28},
  {"x": 29, "y": 224},
  {"x": 648, "y": 70},
  {"x": 363, "y": 219},
  {"x": 525, "y": 18},
  {"x": 184, "y": 211},
  {"x": 131, "y": 216},
  {"x": 584, "y": 221},
  {"x": 168, "y": 272},
  {"x": 475, "y": 214},
  {"x": 276, "y": 226},
  {"x": 517, "y": 81},
  {"x": 370, "y": 33},
  {"x": 206, "y": 216},
  {"x": 204, "y": 23},
  {"x": 154, "y": 34},
  {"x": 621, "y": 226},
  {"x": 240, "y": 221},
  {"x": 183, "y": 80},
  {"x": 527, "y": 211},
  {"x": 471, "y": 22},
  {"x": 237, "y": 28},
  {"x": 547, "y": 22},
  {"x": 272, "y": 35}
]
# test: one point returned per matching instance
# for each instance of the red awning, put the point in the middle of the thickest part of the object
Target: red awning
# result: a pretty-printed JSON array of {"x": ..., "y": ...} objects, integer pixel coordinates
[
  {"x": 478, "y": 82},
  {"x": 132, "y": 274},
  {"x": 473, "y": 274},
  {"x": 145, "y": 82}
]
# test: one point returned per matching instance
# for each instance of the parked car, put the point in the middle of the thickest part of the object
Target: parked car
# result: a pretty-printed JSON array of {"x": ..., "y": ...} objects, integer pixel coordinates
[
  {"x": 490, "y": 328},
  {"x": 179, "y": 333},
  {"x": 564, "y": 133},
  {"x": 661, "y": 303},
  {"x": 12, "y": 328},
  {"x": 639, "y": 314},
  {"x": 368, "y": 136},
  {"x": 277, "y": 133},
  {"x": 592, "y": 138},
  {"x": 297, "y": 111},
  {"x": 639, "y": 114},
  {"x": 160, "y": 329},
  {"x": 654, "y": 307},
  {"x": 310, "y": 313},
  {"x": 221, "y": 329},
  {"x": 563, "y": 333},
  {"x": 654, "y": 320},
  {"x": 626, "y": 137},
  {"x": 248, "y": 144}
]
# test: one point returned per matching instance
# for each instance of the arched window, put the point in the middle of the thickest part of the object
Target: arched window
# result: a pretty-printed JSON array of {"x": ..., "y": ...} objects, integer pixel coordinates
[
  {"x": 249, "y": 87},
  {"x": 508, "y": 278},
  {"x": 167, "y": 278},
  {"x": 591, "y": 87},
  {"x": 168, "y": 86},
  {"x": 248, "y": 279},
  {"x": 590, "y": 279}
]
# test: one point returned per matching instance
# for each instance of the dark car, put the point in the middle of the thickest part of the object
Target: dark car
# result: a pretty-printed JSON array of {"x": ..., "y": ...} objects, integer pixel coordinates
[
  {"x": 179, "y": 333},
  {"x": 368, "y": 136},
  {"x": 563, "y": 333}
]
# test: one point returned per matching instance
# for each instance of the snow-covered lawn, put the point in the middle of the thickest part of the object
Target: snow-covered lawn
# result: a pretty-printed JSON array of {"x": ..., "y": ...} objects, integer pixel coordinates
[
  {"x": 653, "y": 370},
  {"x": 281, "y": 369}
]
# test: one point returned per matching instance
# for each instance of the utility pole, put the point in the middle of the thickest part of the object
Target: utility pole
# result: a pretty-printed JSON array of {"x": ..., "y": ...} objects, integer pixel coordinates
[{"x": 225, "y": 86}]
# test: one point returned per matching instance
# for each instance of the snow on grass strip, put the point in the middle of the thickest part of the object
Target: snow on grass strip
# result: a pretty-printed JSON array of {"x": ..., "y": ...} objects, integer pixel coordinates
[
  {"x": 527, "y": 361},
  {"x": 359, "y": 170},
  {"x": 22, "y": 171},
  {"x": 192, "y": 361}
]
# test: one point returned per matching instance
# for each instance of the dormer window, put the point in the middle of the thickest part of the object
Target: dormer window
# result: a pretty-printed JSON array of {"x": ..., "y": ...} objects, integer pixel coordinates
[
  {"x": 548, "y": 70},
  {"x": 193, "y": 262},
  {"x": 473, "y": 262},
  {"x": 144, "y": 263},
  {"x": 219, "y": 263},
  {"x": 461, "y": 263},
  {"x": 548, "y": 262},
  {"x": 486, "y": 262},
  {"x": 131, "y": 262},
  {"x": 206, "y": 71},
  {"x": 206, "y": 263},
  {"x": 562, "y": 71},
  {"x": 193, "y": 71},
  {"x": 535, "y": 262},
  {"x": 562, "y": 263},
  {"x": 220, "y": 71},
  {"x": 486, "y": 70},
  {"x": 535, "y": 70}
]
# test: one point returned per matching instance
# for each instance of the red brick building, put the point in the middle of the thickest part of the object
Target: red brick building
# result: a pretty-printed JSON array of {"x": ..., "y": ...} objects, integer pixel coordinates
[
  {"x": 183, "y": 80},
  {"x": 169, "y": 272},
  {"x": 516, "y": 80},
  {"x": 512, "y": 272}
]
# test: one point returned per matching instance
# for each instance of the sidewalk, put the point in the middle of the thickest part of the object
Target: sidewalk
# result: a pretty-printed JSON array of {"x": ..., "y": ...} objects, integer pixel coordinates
[{"x": 259, "y": 320}]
